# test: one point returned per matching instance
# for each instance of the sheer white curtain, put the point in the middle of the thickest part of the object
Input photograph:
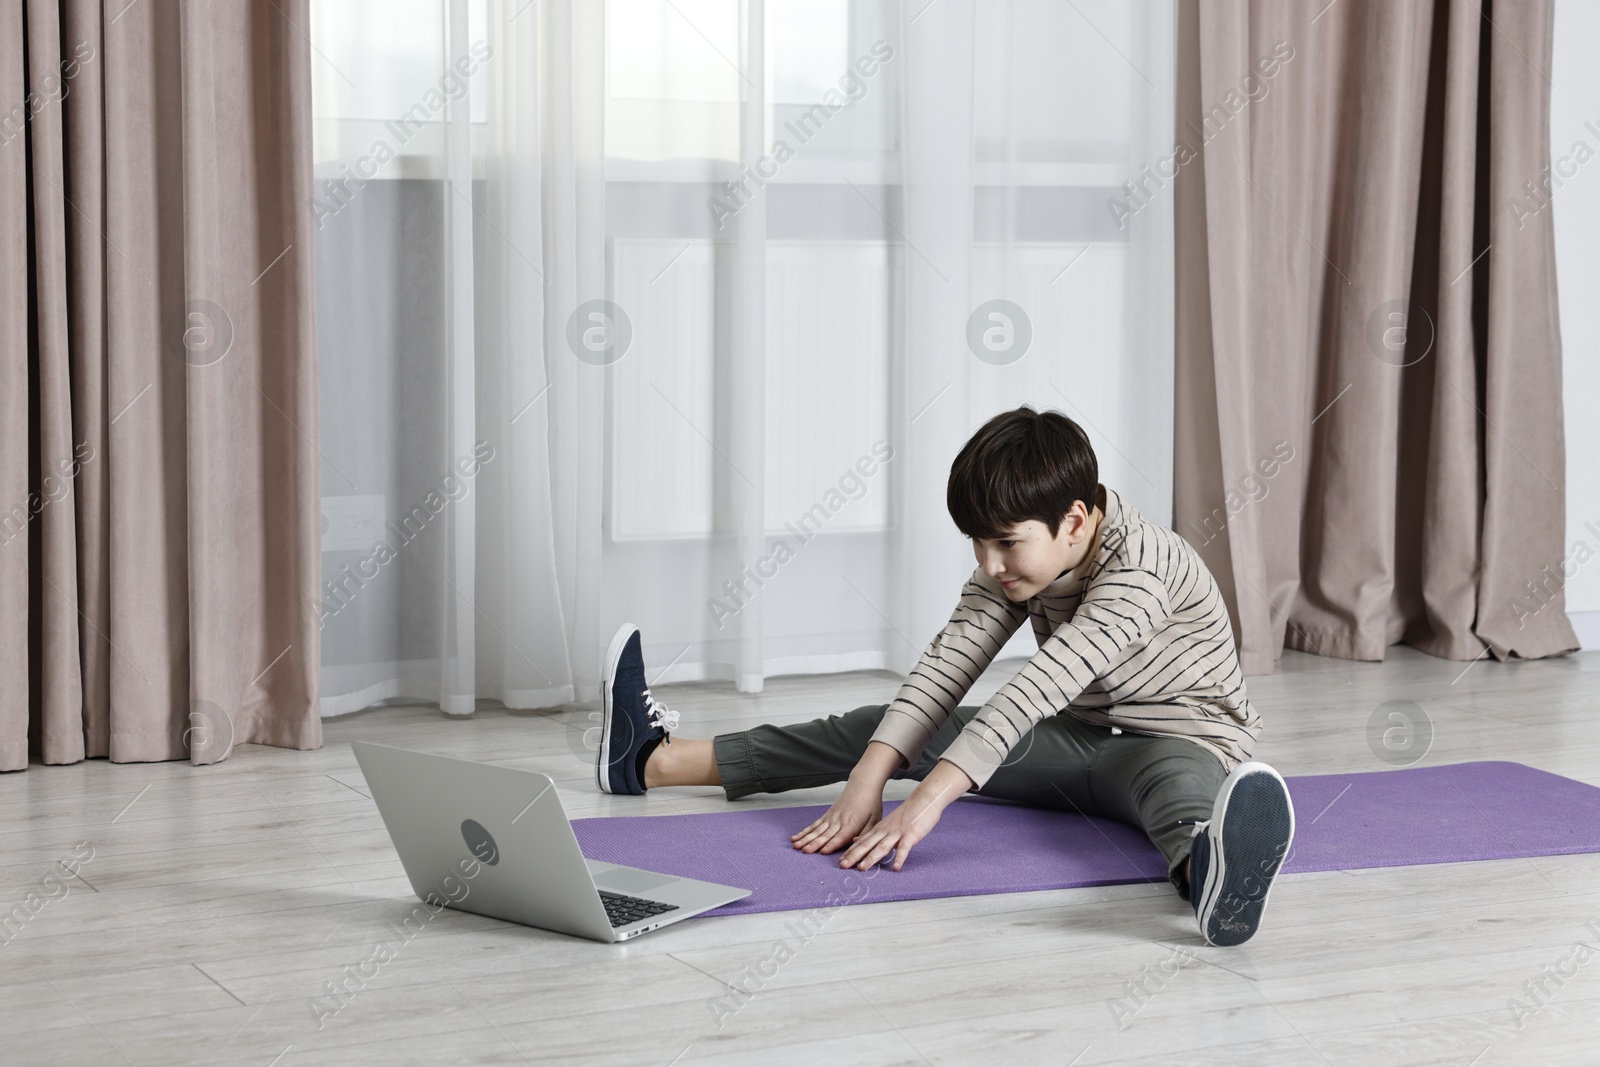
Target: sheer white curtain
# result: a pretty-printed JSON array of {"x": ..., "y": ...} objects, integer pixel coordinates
[{"x": 676, "y": 313}]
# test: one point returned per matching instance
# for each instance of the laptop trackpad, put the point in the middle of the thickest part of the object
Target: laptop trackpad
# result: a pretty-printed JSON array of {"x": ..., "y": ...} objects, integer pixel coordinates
[{"x": 631, "y": 880}]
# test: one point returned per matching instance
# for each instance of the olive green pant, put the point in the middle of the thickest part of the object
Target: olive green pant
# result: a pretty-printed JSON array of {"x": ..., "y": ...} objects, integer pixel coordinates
[{"x": 1163, "y": 785}]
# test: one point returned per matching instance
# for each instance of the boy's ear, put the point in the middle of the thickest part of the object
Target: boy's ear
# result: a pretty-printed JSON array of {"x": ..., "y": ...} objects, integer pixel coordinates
[{"x": 1077, "y": 513}]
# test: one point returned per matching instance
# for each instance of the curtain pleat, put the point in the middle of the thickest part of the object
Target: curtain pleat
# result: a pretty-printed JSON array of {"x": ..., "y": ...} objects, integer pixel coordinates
[
  {"x": 160, "y": 472},
  {"x": 1369, "y": 444},
  {"x": 573, "y": 155}
]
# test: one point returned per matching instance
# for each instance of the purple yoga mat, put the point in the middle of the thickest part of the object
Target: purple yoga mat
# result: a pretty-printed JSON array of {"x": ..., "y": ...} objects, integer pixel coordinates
[{"x": 1465, "y": 811}]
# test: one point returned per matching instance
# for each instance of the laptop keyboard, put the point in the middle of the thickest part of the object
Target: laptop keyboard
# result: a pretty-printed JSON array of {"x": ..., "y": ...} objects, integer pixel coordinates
[{"x": 623, "y": 910}]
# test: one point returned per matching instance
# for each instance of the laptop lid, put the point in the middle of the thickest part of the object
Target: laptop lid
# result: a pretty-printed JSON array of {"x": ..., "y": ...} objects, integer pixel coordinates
[{"x": 490, "y": 840}]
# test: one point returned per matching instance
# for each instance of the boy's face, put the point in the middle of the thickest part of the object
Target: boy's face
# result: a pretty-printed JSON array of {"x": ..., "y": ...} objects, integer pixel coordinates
[{"x": 1028, "y": 558}]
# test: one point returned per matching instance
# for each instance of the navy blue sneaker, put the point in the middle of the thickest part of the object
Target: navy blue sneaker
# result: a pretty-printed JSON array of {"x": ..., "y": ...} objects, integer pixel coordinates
[
  {"x": 1237, "y": 853},
  {"x": 632, "y": 723}
]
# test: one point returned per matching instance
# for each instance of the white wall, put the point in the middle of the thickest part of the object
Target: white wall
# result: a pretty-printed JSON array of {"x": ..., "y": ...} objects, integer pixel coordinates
[{"x": 1574, "y": 101}]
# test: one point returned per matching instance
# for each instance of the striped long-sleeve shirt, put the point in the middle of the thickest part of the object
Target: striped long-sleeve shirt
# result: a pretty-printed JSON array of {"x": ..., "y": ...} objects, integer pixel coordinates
[{"x": 1136, "y": 636}]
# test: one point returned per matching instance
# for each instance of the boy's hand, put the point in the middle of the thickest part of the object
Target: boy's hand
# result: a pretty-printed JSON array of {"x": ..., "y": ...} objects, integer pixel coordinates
[
  {"x": 911, "y": 821},
  {"x": 857, "y": 810}
]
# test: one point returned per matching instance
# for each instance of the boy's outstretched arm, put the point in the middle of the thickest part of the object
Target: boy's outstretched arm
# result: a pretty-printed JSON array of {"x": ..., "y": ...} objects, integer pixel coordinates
[
  {"x": 858, "y": 808},
  {"x": 979, "y": 627},
  {"x": 983, "y": 621}
]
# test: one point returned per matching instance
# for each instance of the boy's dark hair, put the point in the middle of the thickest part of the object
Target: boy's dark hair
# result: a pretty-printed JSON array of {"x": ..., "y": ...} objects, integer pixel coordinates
[{"x": 1021, "y": 465}]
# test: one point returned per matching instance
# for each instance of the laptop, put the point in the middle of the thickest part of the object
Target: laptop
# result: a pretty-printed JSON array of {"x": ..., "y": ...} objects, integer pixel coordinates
[{"x": 496, "y": 841}]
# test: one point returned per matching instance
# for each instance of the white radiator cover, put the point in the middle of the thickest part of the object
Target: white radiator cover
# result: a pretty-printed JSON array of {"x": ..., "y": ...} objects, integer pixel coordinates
[{"x": 829, "y": 338}]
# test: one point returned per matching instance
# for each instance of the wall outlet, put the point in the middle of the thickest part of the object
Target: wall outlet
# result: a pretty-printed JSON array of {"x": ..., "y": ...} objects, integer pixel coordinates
[{"x": 351, "y": 523}]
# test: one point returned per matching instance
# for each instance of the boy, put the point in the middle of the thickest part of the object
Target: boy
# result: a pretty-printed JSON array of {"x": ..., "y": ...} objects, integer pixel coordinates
[{"x": 1133, "y": 708}]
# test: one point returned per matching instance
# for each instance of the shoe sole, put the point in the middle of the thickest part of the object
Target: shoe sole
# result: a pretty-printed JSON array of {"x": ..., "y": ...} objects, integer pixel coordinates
[
  {"x": 608, "y": 670},
  {"x": 1253, "y": 820}
]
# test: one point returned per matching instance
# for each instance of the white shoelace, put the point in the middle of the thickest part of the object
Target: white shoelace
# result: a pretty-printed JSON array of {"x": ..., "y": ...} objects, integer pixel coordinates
[{"x": 660, "y": 714}]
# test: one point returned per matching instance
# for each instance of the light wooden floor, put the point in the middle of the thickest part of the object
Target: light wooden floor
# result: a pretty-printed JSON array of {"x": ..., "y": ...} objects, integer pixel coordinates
[{"x": 220, "y": 900}]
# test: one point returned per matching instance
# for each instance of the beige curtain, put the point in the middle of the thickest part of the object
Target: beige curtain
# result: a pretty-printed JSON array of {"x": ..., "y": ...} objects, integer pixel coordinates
[
  {"x": 158, "y": 418},
  {"x": 1369, "y": 420}
]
